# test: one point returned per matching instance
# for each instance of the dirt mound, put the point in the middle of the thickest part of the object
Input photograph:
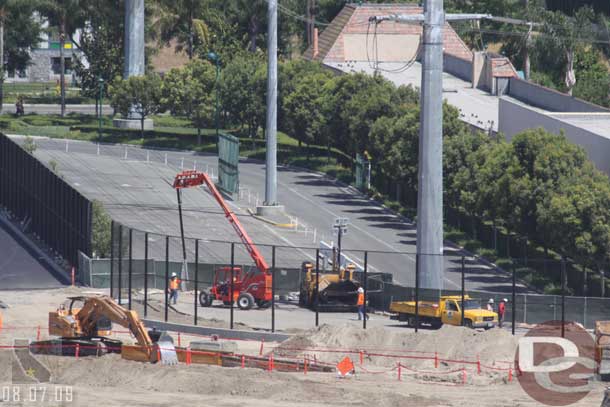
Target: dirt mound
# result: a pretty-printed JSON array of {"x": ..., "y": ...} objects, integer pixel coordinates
[{"x": 331, "y": 343}]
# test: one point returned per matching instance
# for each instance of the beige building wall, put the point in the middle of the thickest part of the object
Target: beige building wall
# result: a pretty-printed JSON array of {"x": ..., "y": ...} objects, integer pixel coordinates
[{"x": 390, "y": 47}]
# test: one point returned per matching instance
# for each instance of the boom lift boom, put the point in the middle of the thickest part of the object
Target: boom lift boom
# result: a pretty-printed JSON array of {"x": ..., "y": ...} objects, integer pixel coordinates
[{"x": 253, "y": 287}]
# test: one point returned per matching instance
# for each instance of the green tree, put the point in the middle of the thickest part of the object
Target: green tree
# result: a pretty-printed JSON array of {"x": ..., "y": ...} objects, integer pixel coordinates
[
  {"x": 186, "y": 22},
  {"x": 101, "y": 42},
  {"x": 140, "y": 96},
  {"x": 243, "y": 91},
  {"x": 592, "y": 78},
  {"x": 100, "y": 230},
  {"x": 189, "y": 91},
  {"x": 19, "y": 31},
  {"x": 567, "y": 35},
  {"x": 66, "y": 16},
  {"x": 304, "y": 117}
]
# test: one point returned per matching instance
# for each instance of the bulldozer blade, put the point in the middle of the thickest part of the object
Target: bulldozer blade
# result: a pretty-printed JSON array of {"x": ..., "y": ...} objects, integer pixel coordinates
[{"x": 167, "y": 350}]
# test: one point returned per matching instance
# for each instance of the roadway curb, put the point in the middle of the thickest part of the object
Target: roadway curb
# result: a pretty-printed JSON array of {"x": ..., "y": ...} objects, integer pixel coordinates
[
  {"x": 269, "y": 221},
  {"x": 220, "y": 332}
]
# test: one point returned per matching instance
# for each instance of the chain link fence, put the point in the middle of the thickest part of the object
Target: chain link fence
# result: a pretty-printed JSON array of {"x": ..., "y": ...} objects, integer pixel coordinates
[{"x": 142, "y": 264}]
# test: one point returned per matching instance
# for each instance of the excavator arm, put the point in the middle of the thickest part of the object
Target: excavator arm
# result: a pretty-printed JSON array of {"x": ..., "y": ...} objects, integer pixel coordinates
[
  {"x": 102, "y": 306},
  {"x": 81, "y": 326},
  {"x": 189, "y": 179}
]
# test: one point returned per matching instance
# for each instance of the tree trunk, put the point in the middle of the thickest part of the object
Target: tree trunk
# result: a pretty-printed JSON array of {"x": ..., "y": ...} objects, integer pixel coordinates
[
  {"x": 253, "y": 31},
  {"x": 308, "y": 23},
  {"x": 198, "y": 135},
  {"x": 526, "y": 57},
  {"x": 190, "y": 40},
  {"x": 142, "y": 126},
  {"x": 62, "y": 66}
]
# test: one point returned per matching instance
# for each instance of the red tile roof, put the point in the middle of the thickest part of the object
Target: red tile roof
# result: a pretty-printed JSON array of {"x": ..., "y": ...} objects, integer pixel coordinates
[{"x": 354, "y": 19}]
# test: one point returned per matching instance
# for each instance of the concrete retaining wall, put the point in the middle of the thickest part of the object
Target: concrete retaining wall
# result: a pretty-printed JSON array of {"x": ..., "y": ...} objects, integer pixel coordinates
[
  {"x": 515, "y": 117},
  {"x": 457, "y": 67},
  {"x": 549, "y": 99}
]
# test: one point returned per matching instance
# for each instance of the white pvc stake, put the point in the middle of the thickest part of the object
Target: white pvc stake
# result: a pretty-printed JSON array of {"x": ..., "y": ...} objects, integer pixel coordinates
[
  {"x": 165, "y": 158},
  {"x": 195, "y": 165},
  {"x": 125, "y": 152},
  {"x": 148, "y": 156},
  {"x": 182, "y": 163},
  {"x": 248, "y": 196},
  {"x": 98, "y": 148},
  {"x": 66, "y": 145}
]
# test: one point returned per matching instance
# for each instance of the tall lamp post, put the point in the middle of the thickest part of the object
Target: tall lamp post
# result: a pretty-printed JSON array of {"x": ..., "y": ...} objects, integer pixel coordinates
[
  {"x": 212, "y": 56},
  {"x": 101, "y": 112}
]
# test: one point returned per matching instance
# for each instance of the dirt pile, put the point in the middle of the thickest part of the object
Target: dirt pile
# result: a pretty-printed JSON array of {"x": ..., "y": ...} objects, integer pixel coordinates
[{"x": 331, "y": 343}]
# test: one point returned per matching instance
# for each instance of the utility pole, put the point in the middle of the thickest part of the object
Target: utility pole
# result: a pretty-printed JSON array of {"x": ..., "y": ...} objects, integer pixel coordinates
[
  {"x": 271, "y": 131},
  {"x": 430, "y": 172},
  {"x": 429, "y": 269}
]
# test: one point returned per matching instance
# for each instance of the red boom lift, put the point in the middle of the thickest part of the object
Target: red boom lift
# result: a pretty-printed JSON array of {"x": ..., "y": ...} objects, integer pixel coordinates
[{"x": 248, "y": 288}]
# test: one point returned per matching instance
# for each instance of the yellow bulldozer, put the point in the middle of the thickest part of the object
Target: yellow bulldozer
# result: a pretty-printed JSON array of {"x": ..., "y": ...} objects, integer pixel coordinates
[
  {"x": 85, "y": 324},
  {"x": 337, "y": 290}
]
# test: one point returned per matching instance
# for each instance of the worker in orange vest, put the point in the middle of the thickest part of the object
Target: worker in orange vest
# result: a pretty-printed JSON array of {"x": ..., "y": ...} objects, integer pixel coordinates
[
  {"x": 360, "y": 303},
  {"x": 174, "y": 284}
]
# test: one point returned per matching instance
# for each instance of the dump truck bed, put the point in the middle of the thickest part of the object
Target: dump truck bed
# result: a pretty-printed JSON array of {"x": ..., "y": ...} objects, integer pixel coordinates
[{"x": 426, "y": 308}]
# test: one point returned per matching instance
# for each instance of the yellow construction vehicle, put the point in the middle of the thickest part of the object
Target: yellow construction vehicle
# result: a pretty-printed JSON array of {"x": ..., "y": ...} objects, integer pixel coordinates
[
  {"x": 337, "y": 290},
  {"x": 89, "y": 325},
  {"x": 602, "y": 348},
  {"x": 447, "y": 311}
]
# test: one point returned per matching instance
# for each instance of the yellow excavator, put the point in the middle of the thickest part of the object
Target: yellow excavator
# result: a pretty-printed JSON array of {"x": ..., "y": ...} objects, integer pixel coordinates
[
  {"x": 89, "y": 326},
  {"x": 337, "y": 290}
]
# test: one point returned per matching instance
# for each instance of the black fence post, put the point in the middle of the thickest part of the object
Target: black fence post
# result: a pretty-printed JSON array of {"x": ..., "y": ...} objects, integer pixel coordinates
[
  {"x": 146, "y": 274},
  {"x": 365, "y": 283},
  {"x": 416, "y": 292},
  {"x": 196, "y": 280},
  {"x": 166, "y": 277},
  {"x": 112, "y": 259},
  {"x": 273, "y": 289},
  {"x": 563, "y": 296},
  {"x": 514, "y": 299},
  {"x": 315, "y": 298},
  {"x": 120, "y": 260},
  {"x": 463, "y": 288},
  {"x": 130, "y": 269},
  {"x": 232, "y": 282}
]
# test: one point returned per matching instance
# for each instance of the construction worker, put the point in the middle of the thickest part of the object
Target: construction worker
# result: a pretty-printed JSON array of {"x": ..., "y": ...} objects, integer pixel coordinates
[
  {"x": 501, "y": 311},
  {"x": 360, "y": 303},
  {"x": 174, "y": 284},
  {"x": 490, "y": 305}
]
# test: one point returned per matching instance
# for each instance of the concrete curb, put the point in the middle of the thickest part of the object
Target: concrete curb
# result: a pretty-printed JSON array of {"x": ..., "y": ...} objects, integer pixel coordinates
[
  {"x": 220, "y": 332},
  {"x": 269, "y": 221}
]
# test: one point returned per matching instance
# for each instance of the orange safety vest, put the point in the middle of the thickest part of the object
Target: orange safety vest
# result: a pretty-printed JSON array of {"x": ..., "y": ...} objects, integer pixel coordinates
[
  {"x": 173, "y": 283},
  {"x": 360, "y": 299}
]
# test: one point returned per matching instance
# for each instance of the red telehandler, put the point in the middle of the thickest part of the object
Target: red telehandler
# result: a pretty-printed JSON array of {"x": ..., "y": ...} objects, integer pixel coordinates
[{"x": 248, "y": 288}]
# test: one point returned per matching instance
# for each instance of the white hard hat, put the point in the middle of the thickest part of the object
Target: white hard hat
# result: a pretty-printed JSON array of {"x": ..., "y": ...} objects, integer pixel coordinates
[
  {"x": 505, "y": 300},
  {"x": 360, "y": 289},
  {"x": 491, "y": 300},
  {"x": 174, "y": 275}
]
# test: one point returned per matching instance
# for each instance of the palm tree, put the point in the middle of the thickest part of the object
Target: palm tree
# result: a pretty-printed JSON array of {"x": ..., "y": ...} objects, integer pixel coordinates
[
  {"x": 186, "y": 21},
  {"x": 67, "y": 16}
]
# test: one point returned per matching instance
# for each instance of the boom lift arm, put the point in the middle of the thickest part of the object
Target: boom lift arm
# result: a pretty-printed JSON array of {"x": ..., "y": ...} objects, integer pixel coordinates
[{"x": 191, "y": 178}]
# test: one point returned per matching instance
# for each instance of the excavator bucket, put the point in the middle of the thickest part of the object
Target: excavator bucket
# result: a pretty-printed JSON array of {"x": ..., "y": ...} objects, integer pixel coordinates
[
  {"x": 164, "y": 350},
  {"x": 167, "y": 350}
]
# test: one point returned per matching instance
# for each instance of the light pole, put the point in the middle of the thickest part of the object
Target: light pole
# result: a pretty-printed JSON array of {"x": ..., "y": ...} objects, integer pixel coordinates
[
  {"x": 212, "y": 56},
  {"x": 101, "y": 98}
]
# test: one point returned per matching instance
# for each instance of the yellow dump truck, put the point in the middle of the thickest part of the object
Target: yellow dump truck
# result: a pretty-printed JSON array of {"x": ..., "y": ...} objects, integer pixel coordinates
[{"x": 447, "y": 311}]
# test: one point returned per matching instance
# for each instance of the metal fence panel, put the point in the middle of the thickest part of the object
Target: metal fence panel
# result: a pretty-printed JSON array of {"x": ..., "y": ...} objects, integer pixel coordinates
[{"x": 228, "y": 163}]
